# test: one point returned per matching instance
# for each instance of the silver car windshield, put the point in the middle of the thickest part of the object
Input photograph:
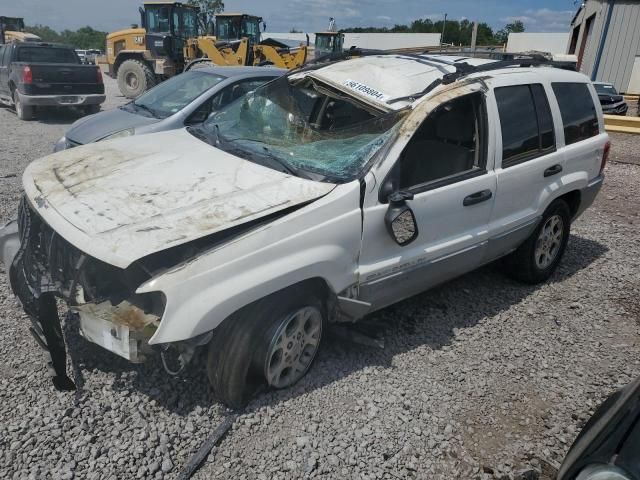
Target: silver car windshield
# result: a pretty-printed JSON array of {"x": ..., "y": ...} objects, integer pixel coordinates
[
  {"x": 176, "y": 93},
  {"x": 305, "y": 125}
]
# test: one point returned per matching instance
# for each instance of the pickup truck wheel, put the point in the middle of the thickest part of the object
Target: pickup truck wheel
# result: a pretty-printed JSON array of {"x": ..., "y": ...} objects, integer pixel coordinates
[
  {"x": 537, "y": 258},
  {"x": 272, "y": 343},
  {"x": 23, "y": 112},
  {"x": 135, "y": 78},
  {"x": 91, "y": 109}
]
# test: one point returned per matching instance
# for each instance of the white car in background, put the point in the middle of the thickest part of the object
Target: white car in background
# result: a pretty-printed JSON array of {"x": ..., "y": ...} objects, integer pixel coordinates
[{"x": 321, "y": 197}]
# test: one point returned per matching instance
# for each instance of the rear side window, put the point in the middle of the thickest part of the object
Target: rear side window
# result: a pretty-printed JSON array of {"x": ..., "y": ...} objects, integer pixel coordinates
[
  {"x": 47, "y": 55},
  {"x": 526, "y": 123},
  {"x": 578, "y": 111},
  {"x": 4, "y": 57}
]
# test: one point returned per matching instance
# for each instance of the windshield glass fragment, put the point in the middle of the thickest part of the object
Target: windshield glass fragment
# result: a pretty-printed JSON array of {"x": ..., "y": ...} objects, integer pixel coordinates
[{"x": 306, "y": 126}]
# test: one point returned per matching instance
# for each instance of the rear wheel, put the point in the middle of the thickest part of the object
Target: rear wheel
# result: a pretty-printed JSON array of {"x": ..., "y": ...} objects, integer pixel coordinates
[
  {"x": 538, "y": 257},
  {"x": 24, "y": 112},
  {"x": 271, "y": 343},
  {"x": 135, "y": 78}
]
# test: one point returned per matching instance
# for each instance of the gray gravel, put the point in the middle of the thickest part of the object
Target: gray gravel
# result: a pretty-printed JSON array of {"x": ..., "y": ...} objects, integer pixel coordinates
[{"x": 480, "y": 378}]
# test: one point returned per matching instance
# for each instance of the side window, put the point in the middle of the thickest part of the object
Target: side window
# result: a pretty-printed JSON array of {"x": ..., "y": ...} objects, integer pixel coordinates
[
  {"x": 578, "y": 111},
  {"x": 7, "y": 55},
  {"x": 526, "y": 123},
  {"x": 447, "y": 145},
  {"x": 235, "y": 91},
  {"x": 2, "y": 49}
]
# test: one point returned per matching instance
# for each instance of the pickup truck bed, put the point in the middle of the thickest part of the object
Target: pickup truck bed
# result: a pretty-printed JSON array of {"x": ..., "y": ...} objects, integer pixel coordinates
[{"x": 45, "y": 75}]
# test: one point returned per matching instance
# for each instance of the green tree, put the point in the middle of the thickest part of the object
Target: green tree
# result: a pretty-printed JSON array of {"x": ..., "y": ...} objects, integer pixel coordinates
[
  {"x": 84, "y": 38},
  {"x": 210, "y": 7},
  {"x": 515, "y": 27},
  {"x": 47, "y": 34},
  {"x": 456, "y": 32}
]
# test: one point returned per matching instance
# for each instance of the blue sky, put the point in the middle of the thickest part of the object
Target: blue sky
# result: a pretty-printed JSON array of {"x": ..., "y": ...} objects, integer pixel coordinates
[{"x": 309, "y": 15}]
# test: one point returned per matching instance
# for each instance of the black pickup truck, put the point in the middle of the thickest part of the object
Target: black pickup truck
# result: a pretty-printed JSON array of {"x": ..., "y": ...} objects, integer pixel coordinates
[{"x": 36, "y": 74}]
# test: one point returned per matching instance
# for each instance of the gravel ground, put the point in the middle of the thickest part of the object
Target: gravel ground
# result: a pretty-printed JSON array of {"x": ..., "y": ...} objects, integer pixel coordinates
[{"x": 480, "y": 378}]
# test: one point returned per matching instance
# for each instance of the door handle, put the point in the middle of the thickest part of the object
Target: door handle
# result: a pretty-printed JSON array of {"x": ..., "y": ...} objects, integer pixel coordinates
[
  {"x": 477, "y": 197},
  {"x": 551, "y": 171}
]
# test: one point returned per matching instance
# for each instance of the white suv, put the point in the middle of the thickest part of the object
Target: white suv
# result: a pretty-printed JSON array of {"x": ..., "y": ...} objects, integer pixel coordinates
[{"x": 323, "y": 196}]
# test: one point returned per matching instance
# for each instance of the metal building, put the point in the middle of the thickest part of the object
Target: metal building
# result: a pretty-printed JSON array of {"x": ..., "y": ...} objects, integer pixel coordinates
[{"x": 605, "y": 36}]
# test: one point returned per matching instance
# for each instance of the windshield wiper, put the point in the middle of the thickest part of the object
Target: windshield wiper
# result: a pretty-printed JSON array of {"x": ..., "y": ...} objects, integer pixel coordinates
[
  {"x": 288, "y": 168},
  {"x": 153, "y": 113}
]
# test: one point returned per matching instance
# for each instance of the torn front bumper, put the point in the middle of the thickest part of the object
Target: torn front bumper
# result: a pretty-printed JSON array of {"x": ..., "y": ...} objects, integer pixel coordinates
[{"x": 123, "y": 329}]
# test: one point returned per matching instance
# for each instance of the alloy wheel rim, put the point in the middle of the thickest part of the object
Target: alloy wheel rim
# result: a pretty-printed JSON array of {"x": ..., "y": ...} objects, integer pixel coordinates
[
  {"x": 549, "y": 242},
  {"x": 293, "y": 347}
]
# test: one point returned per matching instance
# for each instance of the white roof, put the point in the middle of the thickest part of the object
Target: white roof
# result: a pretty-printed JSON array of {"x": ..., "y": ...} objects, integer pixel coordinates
[{"x": 379, "y": 78}]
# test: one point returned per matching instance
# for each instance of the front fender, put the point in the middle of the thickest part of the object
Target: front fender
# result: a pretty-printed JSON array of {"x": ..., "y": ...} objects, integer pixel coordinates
[{"x": 321, "y": 240}]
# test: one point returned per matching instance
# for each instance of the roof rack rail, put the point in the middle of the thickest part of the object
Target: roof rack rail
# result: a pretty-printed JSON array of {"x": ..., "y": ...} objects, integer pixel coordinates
[{"x": 462, "y": 68}]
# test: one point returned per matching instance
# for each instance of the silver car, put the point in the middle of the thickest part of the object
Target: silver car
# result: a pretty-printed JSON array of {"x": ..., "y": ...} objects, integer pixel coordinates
[{"x": 186, "y": 99}]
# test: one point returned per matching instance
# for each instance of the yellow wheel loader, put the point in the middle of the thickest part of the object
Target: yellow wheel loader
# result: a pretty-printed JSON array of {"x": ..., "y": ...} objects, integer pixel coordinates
[
  {"x": 328, "y": 43},
  {"x": 237, "y": 41},
  {"x": 169, "y": 41},
  {"x": 12, "y": 29}
]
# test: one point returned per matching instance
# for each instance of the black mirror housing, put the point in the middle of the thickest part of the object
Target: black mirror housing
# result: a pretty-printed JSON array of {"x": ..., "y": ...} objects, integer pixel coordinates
[{"x": 400, "y": 220}]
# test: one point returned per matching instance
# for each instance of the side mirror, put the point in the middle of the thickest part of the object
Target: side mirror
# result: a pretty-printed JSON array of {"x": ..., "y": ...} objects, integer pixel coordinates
[{"x": 400, "y": 220}]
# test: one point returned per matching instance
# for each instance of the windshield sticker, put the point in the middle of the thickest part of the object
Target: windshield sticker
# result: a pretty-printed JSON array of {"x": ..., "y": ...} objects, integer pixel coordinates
[{"x": 366, "y": 91}]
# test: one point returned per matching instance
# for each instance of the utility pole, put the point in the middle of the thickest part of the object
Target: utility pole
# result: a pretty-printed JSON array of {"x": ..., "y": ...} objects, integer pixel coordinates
[
  {"x": 444, "y": 24},
  {"x": 474, "y": 36}
]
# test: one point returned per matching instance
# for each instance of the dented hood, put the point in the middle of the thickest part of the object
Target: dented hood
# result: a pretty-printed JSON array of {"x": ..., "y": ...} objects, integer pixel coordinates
[{"x": 122, "y": 200}]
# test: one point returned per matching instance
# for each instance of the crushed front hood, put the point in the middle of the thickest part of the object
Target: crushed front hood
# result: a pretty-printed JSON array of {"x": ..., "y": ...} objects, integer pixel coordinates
[{"x": 122, "y": 200}]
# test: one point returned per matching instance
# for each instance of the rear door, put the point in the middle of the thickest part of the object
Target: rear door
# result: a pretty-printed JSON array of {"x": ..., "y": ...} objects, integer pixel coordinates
[
  {"x": 582, "y": 127},
  {"x": 528, "y": 162}
]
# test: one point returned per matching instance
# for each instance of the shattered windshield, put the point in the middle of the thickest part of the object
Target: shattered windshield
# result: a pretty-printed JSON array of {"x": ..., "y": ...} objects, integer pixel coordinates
[{"x": 306, "y": 127}]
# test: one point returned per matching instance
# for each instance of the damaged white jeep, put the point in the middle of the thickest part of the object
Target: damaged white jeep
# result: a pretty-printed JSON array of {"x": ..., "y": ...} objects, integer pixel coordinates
[{"x": 322, "y": 197}]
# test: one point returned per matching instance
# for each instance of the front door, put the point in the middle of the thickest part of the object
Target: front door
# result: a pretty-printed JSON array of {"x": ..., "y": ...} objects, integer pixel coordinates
[{"x": 444, "y": 166}]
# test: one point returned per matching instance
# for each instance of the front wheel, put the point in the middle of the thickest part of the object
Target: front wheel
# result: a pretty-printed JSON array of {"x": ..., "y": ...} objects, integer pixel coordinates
[
  {"x": 134, "y": 78},
  {"x": 538, "y": 257},
  {"x": 271, "y": 343}
]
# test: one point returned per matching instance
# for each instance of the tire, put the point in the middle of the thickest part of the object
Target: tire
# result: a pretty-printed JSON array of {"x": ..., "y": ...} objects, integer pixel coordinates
[
  {"x": 240, "y": 352},
  {"x": 135, "y": 78},
  {"x": 91, "y": 109},
  {"x": 538, "y": 257},
  {"x": 200, "y": 63},
  {"x": 24, "y": 112}
]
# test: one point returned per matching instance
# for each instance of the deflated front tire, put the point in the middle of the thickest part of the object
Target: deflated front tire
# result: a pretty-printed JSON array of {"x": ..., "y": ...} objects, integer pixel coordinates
[{"x": 9, "y": 243}]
